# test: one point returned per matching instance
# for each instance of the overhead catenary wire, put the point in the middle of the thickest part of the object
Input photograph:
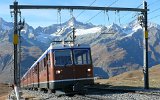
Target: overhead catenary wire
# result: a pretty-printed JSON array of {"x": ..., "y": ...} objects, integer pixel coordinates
[
  {"x": 153, "y": 3},
  {"x": 59, "y": 15},
  {"x": 108, "y": 17},
  {"x": 84, "y": 10},
  {"x": 119, "y": 19},
  {"x": 131, "y": 13},
  {"x": 101, "y": 11},
  {"x": 154, "y": 17},
  {"x": 133, "y": 16},
  {"x": 154, "y": 10}
]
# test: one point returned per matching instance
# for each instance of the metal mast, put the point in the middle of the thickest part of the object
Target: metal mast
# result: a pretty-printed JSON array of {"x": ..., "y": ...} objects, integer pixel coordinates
[
  {"x": 145, "y": 50},
  {"x": 15, "y": 41}
]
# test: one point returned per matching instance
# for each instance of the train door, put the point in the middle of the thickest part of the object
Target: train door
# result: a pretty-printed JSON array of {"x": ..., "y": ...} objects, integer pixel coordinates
[
  {"x": 50, "y": 69},
  {"x": 47, "y": 63},
  {"x": 38, "y": 75},
  {"x": 43, "y": 73},
  {"x": 35, "y": 75}
]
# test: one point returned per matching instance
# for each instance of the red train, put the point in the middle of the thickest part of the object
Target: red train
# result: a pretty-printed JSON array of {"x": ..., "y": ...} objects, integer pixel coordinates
[{"x": 61, "y": 66}]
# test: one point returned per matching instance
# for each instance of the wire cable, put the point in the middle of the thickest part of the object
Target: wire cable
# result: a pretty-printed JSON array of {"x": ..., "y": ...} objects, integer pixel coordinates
[
  {"x": 154, "y": 17},
  {"x": 131, "y": 13},
  {"x": 119, "y": 19},
  {"x": 85, "y": 10},
  {"x": 154, "y": 10},
  {"x": 101, "y": 11},
  {"x": 153, "y": 3},
  {"x": 133, "y": 16}
]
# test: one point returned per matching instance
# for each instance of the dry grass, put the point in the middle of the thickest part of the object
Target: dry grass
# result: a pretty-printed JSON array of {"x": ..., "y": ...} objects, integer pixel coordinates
[
  {"x": 128, "y": 79},
  {"x": 4, "y": 91},
  {"x": 133, "y": 79}
]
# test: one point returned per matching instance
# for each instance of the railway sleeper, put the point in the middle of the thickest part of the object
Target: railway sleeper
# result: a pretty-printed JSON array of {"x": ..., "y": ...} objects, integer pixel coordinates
[{"x": 71, "y": 90}]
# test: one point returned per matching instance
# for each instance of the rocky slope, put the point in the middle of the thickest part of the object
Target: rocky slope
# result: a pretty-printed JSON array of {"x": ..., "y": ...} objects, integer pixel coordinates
[{"x": 113, "y": 53}]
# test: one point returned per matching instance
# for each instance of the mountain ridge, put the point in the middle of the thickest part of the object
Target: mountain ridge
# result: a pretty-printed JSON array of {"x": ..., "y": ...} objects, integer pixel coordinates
[{"x": 114, "y": 53}]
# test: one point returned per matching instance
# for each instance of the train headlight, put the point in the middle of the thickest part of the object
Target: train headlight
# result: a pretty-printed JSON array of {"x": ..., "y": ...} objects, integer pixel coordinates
[
  {"x": 88, "y": 69},
  {"x": 58, "y": 71}
]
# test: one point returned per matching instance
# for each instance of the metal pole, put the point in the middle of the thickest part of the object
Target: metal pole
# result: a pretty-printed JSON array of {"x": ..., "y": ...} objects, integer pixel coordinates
[
  {"x": 73, "y": 35},
  {"x": 145, "y": 41},
  {"x": 15, "y": 41},
  {"x": 19, "y": 58}
]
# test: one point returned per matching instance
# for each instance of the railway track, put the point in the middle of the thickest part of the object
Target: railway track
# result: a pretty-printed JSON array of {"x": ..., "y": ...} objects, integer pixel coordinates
[
  {"x": 100, "y": 94},
  {"x": 120, "y": 90}
]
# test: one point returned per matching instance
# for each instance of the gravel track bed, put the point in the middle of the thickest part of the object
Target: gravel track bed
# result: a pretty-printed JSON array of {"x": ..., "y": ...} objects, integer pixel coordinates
[{"x": 36, "y": 95}]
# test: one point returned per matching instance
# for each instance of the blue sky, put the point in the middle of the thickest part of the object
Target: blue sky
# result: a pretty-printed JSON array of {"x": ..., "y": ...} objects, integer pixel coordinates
[{"x": 44, "y": 18}]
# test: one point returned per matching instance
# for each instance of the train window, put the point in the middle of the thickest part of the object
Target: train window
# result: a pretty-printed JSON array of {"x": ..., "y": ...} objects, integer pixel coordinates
[
  {"x": 36, "y": 69},
  {"x": 48, "y": 60},
  {"x": 44, "y": 61},
  {"x": 63, "y": 57},
  {"x": 40, "y": 66},
  {"x": 82, "y": 56}
]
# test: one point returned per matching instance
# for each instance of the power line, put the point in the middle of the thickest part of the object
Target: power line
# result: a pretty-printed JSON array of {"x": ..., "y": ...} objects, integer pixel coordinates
[
  {"x": 153, "y": 3},
  {"x": 84, "y": 10},
  {"x": 139, "y": 5},
  {"x": 133, "y": 16},
  {"x": 101, "y": 11},
  {"x": 154, "y": 10},
  {"x": 154, "y": 17}
]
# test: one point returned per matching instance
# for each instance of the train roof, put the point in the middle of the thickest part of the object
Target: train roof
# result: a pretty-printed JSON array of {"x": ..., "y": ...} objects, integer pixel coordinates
[
  {"x": 67, "y": 46},
  {"x": 58, "y": 47}
]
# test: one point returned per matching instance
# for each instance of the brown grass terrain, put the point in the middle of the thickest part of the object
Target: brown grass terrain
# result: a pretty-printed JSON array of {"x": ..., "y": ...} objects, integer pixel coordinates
[
  {"x": 133, "y": 79},
  {"x": 4, "y": 91},
  {"x": 128, "y": 79}
]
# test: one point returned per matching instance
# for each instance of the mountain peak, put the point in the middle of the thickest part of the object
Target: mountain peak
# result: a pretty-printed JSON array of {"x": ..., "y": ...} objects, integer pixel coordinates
[
  {"x": 72, "y": 21},
  {"x": 115, "y": 27}
]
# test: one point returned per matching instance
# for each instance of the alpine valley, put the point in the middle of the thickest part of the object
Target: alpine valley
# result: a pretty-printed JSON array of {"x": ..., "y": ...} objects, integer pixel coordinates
[{"x": 115, "y": 48}]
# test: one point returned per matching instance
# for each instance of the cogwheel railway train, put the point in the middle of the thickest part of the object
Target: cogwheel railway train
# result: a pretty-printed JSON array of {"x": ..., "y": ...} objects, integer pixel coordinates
[{"x": 60, "y": 67}]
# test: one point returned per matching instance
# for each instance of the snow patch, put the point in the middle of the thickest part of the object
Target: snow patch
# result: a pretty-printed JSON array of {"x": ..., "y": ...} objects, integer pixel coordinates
[
  {"x": 136, "y": 28},
  {"x": 23, "y": 30},
  {"x": 31, "y": 35},
  {"x": 87, "y": 31}
]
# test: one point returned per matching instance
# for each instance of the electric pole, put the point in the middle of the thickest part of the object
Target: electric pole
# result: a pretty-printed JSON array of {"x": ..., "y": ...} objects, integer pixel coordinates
[
  {"x": 73, "y": 35},
  {"x": 15, "y": 41},
  {"x": 20, "y": 27},
  {"x": 145, "y": 52},
  {"x": 143, "y": 22}
]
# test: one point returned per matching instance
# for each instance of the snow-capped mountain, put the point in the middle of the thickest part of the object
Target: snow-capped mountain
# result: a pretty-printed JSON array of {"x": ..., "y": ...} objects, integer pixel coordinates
[{"x": 116, "y": 49}]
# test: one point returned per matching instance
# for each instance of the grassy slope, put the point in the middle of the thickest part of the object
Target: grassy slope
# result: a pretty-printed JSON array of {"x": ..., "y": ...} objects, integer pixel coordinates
[{"x": 134, "y": 78}]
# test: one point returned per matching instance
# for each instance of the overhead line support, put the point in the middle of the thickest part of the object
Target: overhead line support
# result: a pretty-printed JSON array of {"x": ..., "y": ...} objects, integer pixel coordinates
[
  {"x": 15, "y": 41},
  {"x": 78, "y": 8},
  {"x": 144, "y": 10},
  {"x": 145, "y": 50}
]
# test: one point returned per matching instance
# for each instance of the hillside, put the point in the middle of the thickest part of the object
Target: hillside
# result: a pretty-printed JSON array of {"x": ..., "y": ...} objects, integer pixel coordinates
[
  {"x": 134, "y": 78},
  {"x": 112, "y": 54}
]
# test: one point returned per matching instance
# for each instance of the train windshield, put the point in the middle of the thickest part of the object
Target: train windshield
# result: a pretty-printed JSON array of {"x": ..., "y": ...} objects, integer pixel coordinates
[
  {"x": 63, "y": 57},
  {"x": 82, "y": 56}
]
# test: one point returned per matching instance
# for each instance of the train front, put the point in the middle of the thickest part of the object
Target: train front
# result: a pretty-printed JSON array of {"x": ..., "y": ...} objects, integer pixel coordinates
[{"x": 73, "y": 66}]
